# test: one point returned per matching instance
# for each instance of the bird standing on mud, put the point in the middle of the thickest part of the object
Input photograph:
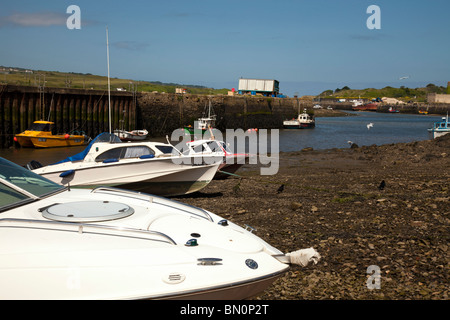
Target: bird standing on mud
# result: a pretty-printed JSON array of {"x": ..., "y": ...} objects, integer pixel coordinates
[{"x": 382, "y": 185}]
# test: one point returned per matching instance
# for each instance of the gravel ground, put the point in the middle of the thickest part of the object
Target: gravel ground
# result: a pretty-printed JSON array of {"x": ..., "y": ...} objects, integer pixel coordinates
[{"x": 331, "y": 201}]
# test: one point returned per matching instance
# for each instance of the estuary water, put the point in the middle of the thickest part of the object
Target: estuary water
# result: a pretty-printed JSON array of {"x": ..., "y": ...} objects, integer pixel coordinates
[
  {"x": 335, "y": 132},
  {"x": 330, "y": 132}
]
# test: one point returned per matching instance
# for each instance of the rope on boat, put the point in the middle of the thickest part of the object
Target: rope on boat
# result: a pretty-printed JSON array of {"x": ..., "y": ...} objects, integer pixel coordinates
[{"x": 231, "y": 174}]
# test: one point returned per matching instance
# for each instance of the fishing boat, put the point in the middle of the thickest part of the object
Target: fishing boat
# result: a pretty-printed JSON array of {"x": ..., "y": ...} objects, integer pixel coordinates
[
  {"x": 303, "y": 121},
  {"x": 134, "y": 135},
  {"x": 60, "y": 243},
  {"x": 392, "y": 110},
  {"x": 204, "y": 123},
  {"x": 212, "y": 147},
  {"x": 39, "y": 135},
  {"x": 152, "y": 167},
  {"x": 440, "y": 128},
  {"x": 357, "y": 103}
]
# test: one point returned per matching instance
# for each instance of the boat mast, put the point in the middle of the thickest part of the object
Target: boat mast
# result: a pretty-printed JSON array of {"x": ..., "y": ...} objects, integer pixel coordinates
[
  {"x": 209, "y": 110},
  {"x": 109, "y": 83}
]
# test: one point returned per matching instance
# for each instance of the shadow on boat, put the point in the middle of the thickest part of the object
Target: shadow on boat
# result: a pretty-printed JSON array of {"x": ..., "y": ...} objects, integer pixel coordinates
[{"x": 199, "y": 194}]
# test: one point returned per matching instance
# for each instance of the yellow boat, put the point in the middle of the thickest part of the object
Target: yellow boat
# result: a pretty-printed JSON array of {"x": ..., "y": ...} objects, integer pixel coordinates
[{"x": 39, "y": 135}]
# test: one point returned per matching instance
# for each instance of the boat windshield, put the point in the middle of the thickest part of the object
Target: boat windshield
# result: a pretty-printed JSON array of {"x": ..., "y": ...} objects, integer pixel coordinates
[
  {"x": 35, "y": 126},
  {"x": 225, "y": 147},
  {"x": 18, "y": 184},
  {"x": 102, "y": 137},
  {"x": 214, "y": 146}
]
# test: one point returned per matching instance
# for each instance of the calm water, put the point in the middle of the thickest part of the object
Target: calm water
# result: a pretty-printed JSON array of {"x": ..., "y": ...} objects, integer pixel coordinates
[
  {"x": 330, "y": 132},
  {"x": 334, "y": 132}
]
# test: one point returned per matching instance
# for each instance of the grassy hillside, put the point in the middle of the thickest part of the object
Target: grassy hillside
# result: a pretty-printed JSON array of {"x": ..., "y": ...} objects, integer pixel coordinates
[
  {"x": 402, "y": 93},
  {"x": 19, "y": 76}
]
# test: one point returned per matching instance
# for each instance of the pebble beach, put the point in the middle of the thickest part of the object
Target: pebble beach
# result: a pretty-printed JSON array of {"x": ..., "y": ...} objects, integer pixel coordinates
[{"x": 334, "y": 201}]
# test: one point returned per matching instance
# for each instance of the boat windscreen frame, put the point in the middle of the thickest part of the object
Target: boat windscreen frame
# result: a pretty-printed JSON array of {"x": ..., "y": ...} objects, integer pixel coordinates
[{"x": 10, "y": 172}]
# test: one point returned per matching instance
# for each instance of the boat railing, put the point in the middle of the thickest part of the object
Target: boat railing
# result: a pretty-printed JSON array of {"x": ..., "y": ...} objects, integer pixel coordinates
[
  {"x": 158, "y": 200},
  {"x": 87, "y": 228}
]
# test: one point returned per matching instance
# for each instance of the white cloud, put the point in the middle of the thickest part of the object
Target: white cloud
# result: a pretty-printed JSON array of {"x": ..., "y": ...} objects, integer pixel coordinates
[{"x": 36, "y": 19}]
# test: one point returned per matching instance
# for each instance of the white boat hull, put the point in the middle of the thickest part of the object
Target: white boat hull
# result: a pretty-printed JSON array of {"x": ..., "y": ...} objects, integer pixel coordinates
[
  {"x": 439, "y": 133},
  {"x": 106, "y": 243},
  {"x": 169, "y": 178},
  {"x": 144, "y": 257}
]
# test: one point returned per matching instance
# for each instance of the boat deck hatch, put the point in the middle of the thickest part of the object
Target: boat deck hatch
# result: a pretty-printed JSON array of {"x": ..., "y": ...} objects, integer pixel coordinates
[{"x": 87, "y": 211}]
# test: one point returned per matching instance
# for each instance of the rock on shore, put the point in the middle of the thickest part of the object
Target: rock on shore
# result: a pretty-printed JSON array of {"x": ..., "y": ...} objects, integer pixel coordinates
[{"x": 333, "y": 201}]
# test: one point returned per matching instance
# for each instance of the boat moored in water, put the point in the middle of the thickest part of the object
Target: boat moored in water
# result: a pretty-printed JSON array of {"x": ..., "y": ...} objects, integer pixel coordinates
[
  {"x": 392, "y": 110},
  {"x": 39, "y": 135},
  {"x": 134, "y": 135},
  {"x": 107, "y": 243},
  {"x": 303, "y": 121},
  {"x": 440, "y": 128},
  {"x": 366, "y": 107}
]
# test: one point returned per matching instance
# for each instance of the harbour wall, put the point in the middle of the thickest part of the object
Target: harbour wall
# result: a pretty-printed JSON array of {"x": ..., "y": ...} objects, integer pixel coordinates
[
  {"x": 81, "y": 110},
  {"x": 71, "y": 110},
  {"x": 162, "y": 113}
]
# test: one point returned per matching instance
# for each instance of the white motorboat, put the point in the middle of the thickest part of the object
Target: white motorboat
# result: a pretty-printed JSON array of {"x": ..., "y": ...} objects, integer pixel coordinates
[
  {"x": 212, "y": 147},
  {"x": 440, "y": 128},
  {"x": 134, "y": 135},
  {"x": 142, "y": 166},
  {"x": 106, "y": 243},
  {"x": 303, "y": 121}
]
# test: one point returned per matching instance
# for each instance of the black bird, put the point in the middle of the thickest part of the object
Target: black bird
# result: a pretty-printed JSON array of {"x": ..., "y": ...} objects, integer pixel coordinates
[
  {"x": 280, "y": 189},
  {"x": 382, "y": 185}
]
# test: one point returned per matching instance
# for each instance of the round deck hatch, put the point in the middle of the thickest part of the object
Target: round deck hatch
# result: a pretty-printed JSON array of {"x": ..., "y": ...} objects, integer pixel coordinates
[{"x": 87, "y": 211}]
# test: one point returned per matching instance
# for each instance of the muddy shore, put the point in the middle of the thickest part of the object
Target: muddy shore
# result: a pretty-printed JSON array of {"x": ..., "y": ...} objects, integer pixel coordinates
[{"x": 332, "y": 201}]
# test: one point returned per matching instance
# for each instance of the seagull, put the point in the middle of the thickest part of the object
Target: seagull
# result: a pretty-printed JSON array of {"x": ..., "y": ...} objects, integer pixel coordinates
[
  {"x": 370, "y": 125},
  {"x": 402, "y": 78}
]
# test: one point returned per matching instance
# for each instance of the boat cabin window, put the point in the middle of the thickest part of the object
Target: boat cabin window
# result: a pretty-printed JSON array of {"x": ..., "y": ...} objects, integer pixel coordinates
[
  {"x": 165, "y": 149},
  {"x": 124, "y": 153},
  {"x": 17, "y": 182},
  {"x": 40, "y": 127}
]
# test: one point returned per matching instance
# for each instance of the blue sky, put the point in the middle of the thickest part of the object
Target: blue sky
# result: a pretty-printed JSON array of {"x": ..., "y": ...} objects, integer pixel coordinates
[{"x": 309, "y": 46}]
